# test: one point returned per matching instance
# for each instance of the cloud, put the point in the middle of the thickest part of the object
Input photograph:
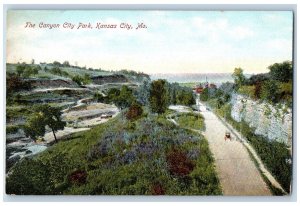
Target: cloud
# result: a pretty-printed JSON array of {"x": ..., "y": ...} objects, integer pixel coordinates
[
  {"x": 278, "y": 45},
  {"x": 241, "y": 32}
]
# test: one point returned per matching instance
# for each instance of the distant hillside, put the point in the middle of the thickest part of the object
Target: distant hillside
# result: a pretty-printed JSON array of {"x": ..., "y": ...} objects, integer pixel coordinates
[{"x": 70, "y": 75}]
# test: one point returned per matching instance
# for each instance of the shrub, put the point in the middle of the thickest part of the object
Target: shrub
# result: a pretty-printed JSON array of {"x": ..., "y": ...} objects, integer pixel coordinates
[
  {"x": 29, "y": 177},
  {"x": 157, "y": 189},
  {"x": 178, "y": 163},
  {"x": 134, "y": 111},
  {"x": 247, "y": 90},
  {"x": 78, "y": 177},
  {"x": 56, "y": 71}
]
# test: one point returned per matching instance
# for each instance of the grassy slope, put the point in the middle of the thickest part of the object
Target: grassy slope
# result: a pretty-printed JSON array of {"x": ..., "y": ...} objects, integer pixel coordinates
[
  {"x": 72, "y": 71},
  {"x": 121, "y": 157},
  {"x": 190, "y": 120}
]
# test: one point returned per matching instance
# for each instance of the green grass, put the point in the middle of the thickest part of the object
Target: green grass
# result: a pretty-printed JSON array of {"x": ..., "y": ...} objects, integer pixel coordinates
[
  {"x": 274, "y": 190},
  {"x": 121, "y": 157},
  {"x": 248, "y": 91},
  {"x": 190, "y": 120},
  {"x": 188, "y": 84}
]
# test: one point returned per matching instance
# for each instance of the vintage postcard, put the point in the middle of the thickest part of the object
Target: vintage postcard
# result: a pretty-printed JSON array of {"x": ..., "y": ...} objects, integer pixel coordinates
[{"x": 152, "y": 102}]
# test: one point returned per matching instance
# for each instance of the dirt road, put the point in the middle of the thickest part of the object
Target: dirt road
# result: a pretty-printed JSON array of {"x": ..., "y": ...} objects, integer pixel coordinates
[{"x": 237, "y": 172}]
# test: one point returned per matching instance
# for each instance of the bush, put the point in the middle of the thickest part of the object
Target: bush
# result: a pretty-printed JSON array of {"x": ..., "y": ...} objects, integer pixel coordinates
[
  {"x": 157, "y": 189},
  {"x": 78, "y": 177},
  {"x": 29, "y": 177},
  {"x": 56, "y": 71},
  {"x": 134, "y": 111},
  {"x": 178, "y": 163},
  {"x": 248, "y": 91},
  {"x": 99, "y": 97},
  {"x": 78, "y": 79}
]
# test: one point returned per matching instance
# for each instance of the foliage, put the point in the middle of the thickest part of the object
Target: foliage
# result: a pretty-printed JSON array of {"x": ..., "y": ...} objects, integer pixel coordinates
[
  {"x": 43, "y": 116},
  {"x": 273, "y": 87},
  {"x": 204, "y": 95},
  {"x": 30, "y": 177},
  {"x": 158, "y": 96},
  {"x": 143, "y": 93},
  {"x": 238, "y": 76},
  {"x": 248, "y": 91},
  {"x": 177, "y": 94},
  {"x": 99, "y": 97},
  {"x": 82, "y": 80},
  {"x": 12, "y": 129},
  {"x": 256, "y": 78},
  {"x": 35, "y": 126},
  {"x": 135, "y": 76},
  {"x": 14, "y": 84},
  {"x": 113, "y": 159},
  {"x": 26, "y": 71},
  {"x": 57, "y": 64},
  {"x": 270, "y": 91},
  {"x": 185, "y": 98},
  {"x": 125, "y": 99},
  {"x": 78, "y": 177},
  {"x": 78, "y": 79},
  {"x": 66, "y": 64},
  {"x": 134, "y": 111},
  {"x": 178, "y": 163},
  {"x": 190, "y": 120},
  {"x": 282, "y": 72}
]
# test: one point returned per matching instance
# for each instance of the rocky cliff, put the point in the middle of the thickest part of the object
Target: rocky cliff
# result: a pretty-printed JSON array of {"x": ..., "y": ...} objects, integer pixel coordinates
[
  {"x": 51, "y": 83},
  {"x": 273, "y": 122}
]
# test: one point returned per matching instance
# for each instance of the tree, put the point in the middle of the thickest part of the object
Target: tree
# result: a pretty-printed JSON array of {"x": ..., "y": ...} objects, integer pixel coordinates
[
  {"x": 66, "y": 64},
  {"x": 20, "y": 69},
  {"x": 86, "y": 79},
  {"x": 270, "y": 91},
  {"x": 282, "y": 72},
  {"x": 44, "y": 115},
  {"x": 35, "y": 126},
  {"x": 185, "y": 98},
  {"x": 56, "y": 71},
  {"x": 158, "y": 96},
  {"x": 56, "y": 63},
  {"x": 32, "y": 61},
  {"x": 78, "y": 79},
  {"x": 204, "y": 95},
  {"x": 125, "y": 98},
  {"x": 238, "y": 76},
  {"x": 143, "y": 93},
  {"x": 27, "y": 72}
]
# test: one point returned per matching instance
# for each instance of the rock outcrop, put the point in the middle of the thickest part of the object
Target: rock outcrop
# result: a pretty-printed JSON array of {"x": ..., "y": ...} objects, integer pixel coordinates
[
  {"x": 51, "y": 83},
  {"x": 273, "y": 122}
]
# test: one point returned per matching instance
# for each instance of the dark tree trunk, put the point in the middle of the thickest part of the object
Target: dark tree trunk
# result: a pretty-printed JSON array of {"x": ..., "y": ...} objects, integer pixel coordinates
[{"x": 54, "y": 135}]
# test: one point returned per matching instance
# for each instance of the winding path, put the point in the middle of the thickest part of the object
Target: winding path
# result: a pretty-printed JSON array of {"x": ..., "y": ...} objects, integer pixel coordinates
[{"x": 237, "y": 172}]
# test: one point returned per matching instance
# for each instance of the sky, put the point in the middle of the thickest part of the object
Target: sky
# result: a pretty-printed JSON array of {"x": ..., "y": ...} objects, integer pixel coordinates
[{"x": 173, "y": 42}]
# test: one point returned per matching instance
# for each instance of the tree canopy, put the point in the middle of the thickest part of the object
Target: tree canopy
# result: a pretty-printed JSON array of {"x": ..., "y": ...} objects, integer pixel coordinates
[
  {"x": 158, "y": 96},
  {"x": 282, "y": 72},
  {"x": 44, "y": 115},
  {"x": 238, "y": 76}
]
